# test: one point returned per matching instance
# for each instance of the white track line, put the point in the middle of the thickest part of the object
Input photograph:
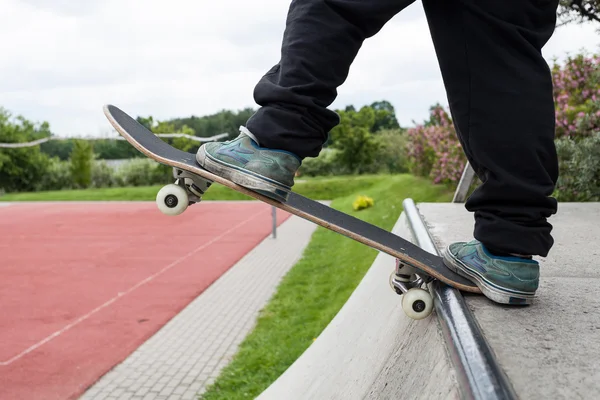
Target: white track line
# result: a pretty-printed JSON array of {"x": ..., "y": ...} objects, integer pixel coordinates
[{"x": 123, "y": 294}]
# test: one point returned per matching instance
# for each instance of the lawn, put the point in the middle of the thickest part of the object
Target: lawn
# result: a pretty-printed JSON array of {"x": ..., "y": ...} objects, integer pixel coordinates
[
  {"x": 315, "y": 289},
  {"x": 323, "y": 188}
]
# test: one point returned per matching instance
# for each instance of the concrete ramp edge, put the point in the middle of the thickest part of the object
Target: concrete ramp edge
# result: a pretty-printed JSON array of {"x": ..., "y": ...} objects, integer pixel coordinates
[{"x": 371, "y": 349}]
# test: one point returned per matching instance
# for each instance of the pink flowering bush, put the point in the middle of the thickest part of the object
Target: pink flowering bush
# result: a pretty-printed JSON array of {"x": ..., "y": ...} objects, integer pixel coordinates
[
  {"x": 433, "y": 149},
  {"x": 577, "y": 96}
]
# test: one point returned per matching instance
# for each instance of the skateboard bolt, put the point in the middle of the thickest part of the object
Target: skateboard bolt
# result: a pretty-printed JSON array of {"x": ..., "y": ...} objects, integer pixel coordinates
[
  {"x": 171, "y": 201},
  {"x": 418, "y": 306}
]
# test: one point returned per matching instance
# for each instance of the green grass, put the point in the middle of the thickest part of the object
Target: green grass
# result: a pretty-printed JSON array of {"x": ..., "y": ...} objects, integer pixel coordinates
[
  {"x": 315, "y": 289},
  {"x": 323, "y": 188}
]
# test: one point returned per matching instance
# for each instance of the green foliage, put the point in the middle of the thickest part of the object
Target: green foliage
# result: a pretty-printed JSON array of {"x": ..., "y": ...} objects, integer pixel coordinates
[
  {"x": 81, "y": 163},
  {"x": 182, "y": 143},
  {"x": 104, "y": 149},
  {"x": 57, "y": 175},
  {"x": 385, "y": 116},
  {"x": 58, "y": 148},
  {"x": 144, "y": 171},
  {"x": 104, "y": 176},
  {"x": 579, "y": 178},
  {"x": 324, "y": 165},
  {"x": 21, "y": 168},
  {"x": 110, "y": 149},
  {"x": 225, "y": 121},
  {"x": 354, "y": 141},
  {"x": 391, "y": 155}
]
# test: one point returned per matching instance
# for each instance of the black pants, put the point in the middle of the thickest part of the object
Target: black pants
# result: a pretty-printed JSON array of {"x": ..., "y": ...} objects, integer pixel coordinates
[{"x": 498, "y": 85}]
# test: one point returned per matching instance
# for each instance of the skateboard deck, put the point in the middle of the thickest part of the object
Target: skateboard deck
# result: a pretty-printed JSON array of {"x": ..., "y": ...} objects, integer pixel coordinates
[{"x": 410, "y": 254}]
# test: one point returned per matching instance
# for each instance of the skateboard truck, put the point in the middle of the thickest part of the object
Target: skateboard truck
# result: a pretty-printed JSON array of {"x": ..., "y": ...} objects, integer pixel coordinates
[
  {"x": 405, "y": 280},
  {"x": 188, "y": 189}
]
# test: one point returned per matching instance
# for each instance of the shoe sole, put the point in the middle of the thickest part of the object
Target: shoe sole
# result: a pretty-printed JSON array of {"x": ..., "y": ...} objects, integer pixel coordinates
[
  {"x": 250, "y": 180},
  {"x": 491, "y": 291}
]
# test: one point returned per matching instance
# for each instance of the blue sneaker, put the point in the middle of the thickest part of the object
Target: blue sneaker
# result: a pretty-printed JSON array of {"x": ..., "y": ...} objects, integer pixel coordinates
[
  {"x": 505, "y": 280},
  {"x": 241, "y": 160}
]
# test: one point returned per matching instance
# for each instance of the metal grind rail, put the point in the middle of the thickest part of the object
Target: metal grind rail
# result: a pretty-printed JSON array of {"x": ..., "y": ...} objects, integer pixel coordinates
[{"x": 478, "y": 372}]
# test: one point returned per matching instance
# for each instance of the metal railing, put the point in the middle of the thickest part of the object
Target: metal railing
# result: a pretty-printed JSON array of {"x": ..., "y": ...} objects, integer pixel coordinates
[
  {"x": 167, "y": 135},
  {"x": 466, "y": 179},
  {"x": 479, "y": 375}
]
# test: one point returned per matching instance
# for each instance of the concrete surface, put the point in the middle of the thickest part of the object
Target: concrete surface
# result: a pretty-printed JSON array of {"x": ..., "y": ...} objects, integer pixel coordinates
[
  {"x": 182, "y": 358},
  {"x": 551, "y": 349},
  {"x": 372, "y": 350}
]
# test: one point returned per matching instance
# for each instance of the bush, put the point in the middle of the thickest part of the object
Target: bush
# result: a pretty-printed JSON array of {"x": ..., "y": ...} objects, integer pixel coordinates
[
  {"x": 144, "y": 171},
  {"x": 57, "y": 175},
  {"x": 577, "y": 96},
  {"x": 433, "y": 149},
  {"x": 362, "y": 202},
  {"x": 21, "y": 169},
  {"x": 105, "y": 176},
  {"x": 81, "y": 159},
  {"x": 323, "y": 165},
  {"x": 391, "y": 155},
  {"x": 579, "y": 178}
]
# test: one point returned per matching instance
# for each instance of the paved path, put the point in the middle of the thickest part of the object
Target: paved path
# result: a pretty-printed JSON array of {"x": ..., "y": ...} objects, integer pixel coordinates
[{"x": 189, "y": 352}]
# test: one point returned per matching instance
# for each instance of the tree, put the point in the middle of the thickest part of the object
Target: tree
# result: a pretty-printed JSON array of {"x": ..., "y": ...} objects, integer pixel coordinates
[
  {"x": 385, "y": 116},
  {"x": 352, "y": 138},
  {"x": 580, "y": 11},
  {"x": 181, "y": 143},
  {"x": 225, "y": 121},
  {"x": 82, "y": 157},
  {"x": 21, "y": 169}
]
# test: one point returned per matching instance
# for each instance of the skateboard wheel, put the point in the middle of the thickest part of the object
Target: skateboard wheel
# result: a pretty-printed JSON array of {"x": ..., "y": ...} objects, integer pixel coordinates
[
  {"x": 417, "y": 303},
  {"x": 172, "y": 199}
]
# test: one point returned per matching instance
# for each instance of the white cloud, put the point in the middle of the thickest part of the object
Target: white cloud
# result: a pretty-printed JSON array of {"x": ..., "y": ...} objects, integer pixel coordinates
[{"x": 62, "y": 60}]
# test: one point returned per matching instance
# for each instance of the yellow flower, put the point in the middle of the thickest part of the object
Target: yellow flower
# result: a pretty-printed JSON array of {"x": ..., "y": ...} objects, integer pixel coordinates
[{"x": 362, "y": 202}]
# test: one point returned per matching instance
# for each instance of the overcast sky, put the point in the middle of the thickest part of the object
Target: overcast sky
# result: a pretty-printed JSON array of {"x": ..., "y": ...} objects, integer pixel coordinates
[{"x": 63, "y": 59}]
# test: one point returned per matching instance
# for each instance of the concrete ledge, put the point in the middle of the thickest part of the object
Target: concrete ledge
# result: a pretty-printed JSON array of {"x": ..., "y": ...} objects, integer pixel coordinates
[
  {"x": 551, "y": 349},
  {"x": 371, "y": 349}
]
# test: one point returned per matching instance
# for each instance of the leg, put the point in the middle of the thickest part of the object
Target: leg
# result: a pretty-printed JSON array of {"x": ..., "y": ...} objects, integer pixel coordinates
[
  {"x": 321, "y": 40},
  {"x": 500, "y": 93}
]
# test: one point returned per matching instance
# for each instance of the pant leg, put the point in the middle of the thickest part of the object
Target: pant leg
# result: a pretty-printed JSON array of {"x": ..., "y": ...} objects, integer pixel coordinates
[
  {"x": 500, "y": 94},
  {"x": 320, "y": 42}
]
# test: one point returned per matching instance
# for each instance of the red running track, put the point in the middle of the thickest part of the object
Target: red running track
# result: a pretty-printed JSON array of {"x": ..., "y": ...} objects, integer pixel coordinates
[{"x": 82, "y": 285}]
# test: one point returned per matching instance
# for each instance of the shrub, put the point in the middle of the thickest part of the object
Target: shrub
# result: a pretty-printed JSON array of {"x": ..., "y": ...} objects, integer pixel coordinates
[
  {"x": 434, "y": 150},
  {"x": 577, "y": 96},
  {"x": 82, "y": 157},
  {"x": 323, "y": 165},
  {"x": 579, "y": 178},
  {"x": 391, "y": 155},
  {"x": 144, "y": 171},
  {"x": 362, "y": 202},
  {"x": 105, "y": 176},
  {"x": 57, "y": 175}
]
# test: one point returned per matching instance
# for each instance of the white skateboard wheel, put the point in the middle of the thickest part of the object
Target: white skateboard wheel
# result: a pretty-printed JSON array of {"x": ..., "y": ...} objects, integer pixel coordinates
[
  {"x": 172, "y": 199},
  {"x": 417, "y": 303}
]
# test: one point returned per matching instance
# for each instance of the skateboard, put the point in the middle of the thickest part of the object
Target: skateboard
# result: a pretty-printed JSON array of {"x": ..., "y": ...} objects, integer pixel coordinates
[{"x": 414, "y": 268}]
